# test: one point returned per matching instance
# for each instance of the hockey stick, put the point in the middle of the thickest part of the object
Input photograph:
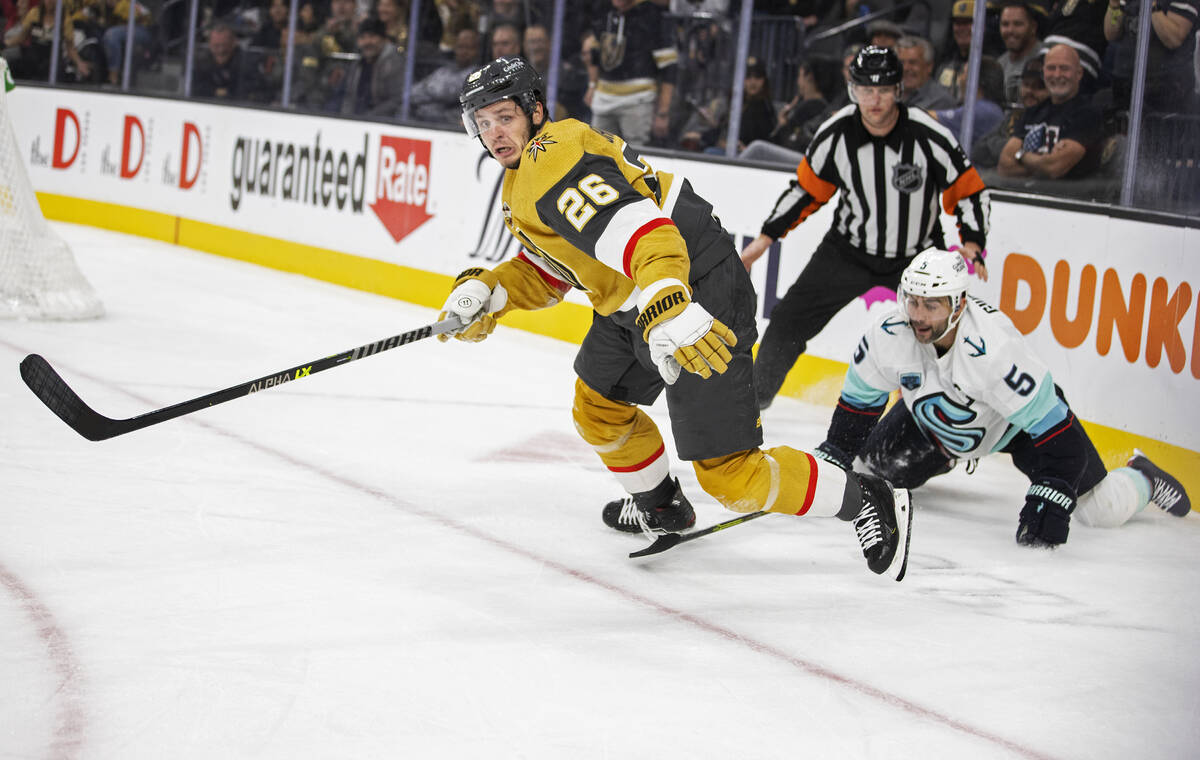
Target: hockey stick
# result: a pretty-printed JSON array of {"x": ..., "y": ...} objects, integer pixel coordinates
[
  {"x": 671, "y": 540},
  {"x": 54, "y": 392}
]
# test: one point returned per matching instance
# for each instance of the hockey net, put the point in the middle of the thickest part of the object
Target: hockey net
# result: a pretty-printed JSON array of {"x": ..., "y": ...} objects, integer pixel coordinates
[{"x": 39, "y": 278}]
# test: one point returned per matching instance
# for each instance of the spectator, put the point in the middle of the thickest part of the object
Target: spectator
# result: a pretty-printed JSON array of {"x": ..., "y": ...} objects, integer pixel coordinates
[
  {"x": 504, "y": 12},
  {"x": 1032, "y": 91},
  {"x": 884, "y": 34},
  {"x": 1080, "y": 24},
  {"x": 33, "y": 38},
  {"x": 709, "y": 130},
  {"x": 819, "y": 83},
  {"x": 632, "y": 65},
  {"x": 340, "y": 32},
  {"x": 270, "y": 34},
  {"x": 958, "y": 49},
  {"x": 395, "y": 21},
  {"x": 1170, "y": 74},
  {"x": 572, "y": 74},
  {"x": 920, "y": 91},
  {"x": 455, "y": 16},
  {"x": 434, "y": 99},
  {"x": 224, "y": 70},
  {"x": 505, "y": 41},
  {"x": 1061, "y": 137},
  {"x": 989, "y": 96},
  {"x": 1018, "y": 29},
  {"x": 375, "y": 84}
]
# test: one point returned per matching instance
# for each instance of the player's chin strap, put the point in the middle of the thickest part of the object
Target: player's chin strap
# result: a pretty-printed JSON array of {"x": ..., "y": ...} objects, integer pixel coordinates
[{"x": 960, "y": 307}]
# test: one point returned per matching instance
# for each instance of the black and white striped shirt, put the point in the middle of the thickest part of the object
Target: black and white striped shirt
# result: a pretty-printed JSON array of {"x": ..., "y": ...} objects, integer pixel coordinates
[{"x": 890, "y": 186}]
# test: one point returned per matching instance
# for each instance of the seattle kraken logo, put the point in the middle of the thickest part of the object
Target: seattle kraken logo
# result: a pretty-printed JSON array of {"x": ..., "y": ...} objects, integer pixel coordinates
[{"x": 947, "y": 420}]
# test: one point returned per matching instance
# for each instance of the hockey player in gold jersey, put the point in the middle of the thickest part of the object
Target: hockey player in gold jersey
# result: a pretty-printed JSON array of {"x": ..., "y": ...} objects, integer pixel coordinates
[{"x": 674, "y": 310}]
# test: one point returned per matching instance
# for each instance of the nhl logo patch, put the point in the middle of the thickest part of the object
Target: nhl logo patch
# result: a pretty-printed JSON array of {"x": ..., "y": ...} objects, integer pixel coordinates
[
  {"x": 907, "y": 178},
  {"x": 910, "y": 381}
]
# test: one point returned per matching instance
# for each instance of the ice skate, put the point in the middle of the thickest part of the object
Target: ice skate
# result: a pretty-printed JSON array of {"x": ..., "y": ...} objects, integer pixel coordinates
[
  {"x": 1167, "y": 492},
  {"x": 672, "y": 517},
  {"x": 884, "y": 525}
]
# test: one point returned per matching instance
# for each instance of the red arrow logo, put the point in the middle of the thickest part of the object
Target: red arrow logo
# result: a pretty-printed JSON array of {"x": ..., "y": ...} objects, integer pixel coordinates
[{"x": 402, "y": 186}]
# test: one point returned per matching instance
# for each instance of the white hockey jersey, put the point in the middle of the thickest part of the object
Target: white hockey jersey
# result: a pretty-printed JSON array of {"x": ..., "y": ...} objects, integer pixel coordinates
[{"x": 974, "y": 398}]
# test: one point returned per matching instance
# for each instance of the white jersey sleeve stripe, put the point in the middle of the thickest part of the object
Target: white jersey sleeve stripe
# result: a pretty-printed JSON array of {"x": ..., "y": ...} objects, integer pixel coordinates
[{"x": 624, "y": 225}]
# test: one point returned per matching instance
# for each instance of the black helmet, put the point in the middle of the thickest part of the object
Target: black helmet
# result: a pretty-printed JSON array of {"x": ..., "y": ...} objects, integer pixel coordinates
[
  {"x": 503, "y": 78},
  {"x": 876, "y": 67}
]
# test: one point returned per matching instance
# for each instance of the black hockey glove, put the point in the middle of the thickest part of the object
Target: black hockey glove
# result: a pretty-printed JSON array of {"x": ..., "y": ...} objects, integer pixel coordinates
[
  {"x": 832, "y": 454},
  {"x": 1046, "y": 516}
]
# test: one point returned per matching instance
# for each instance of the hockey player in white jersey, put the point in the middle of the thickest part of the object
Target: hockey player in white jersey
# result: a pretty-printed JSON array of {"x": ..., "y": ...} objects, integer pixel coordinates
[{"x": 971, "y": 387}]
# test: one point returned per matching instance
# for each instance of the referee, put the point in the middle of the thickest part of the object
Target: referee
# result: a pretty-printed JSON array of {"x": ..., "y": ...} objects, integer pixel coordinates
[{"x": 891, "y": 163}]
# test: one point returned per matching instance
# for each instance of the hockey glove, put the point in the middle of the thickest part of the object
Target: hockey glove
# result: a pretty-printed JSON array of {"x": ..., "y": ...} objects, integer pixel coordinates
[
  {"x": 832, "y": 454},
  {"x": 476, "y": 296},
  {"x": 1046, "y": 517},
  {"x": 682, "y": 334}
]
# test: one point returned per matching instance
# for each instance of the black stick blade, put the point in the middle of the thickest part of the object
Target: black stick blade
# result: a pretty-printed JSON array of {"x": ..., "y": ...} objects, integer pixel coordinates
[
  {"x": 58, "y": 397},
  {"x": 661, "y": 544}
]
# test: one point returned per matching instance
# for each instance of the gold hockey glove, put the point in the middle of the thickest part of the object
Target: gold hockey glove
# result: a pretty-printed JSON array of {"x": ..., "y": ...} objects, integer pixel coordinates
[{"x": 682, "y": 334}]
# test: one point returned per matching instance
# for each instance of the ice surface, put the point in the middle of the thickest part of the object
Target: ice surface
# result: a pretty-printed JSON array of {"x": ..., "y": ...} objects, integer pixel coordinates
[{"x": 403, "y": 557}]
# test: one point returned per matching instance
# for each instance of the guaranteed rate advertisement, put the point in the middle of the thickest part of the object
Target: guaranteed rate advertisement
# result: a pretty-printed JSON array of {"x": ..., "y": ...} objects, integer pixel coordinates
[
  {"x": 354, "y": 187},
  {"x": 1112, "y": 305}
]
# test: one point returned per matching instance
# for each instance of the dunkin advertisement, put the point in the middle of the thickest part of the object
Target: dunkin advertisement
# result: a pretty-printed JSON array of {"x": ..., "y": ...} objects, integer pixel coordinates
[{"x": 1113, "y": 305}]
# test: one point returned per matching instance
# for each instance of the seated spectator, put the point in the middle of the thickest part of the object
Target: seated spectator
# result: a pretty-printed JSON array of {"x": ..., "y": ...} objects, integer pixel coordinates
[
  {"x": 434, "y": 99},
  {"x": 115, "y": 35},
  {"x": 505, "y": 40},
  {"x": 920, "y": 91},
  {"x": 374, "y": 85},
  {"x": 572, "y": 74},
  {"x": 1170, "y": 72},
  {"x": 455, "y": 16},
  {"x": 989, "y": 96},
  {"x": 958, "y": 47},
  {"x": 269, "y": 34},
  {"x": 884, "y": 34},
  {"x": 1061, "y": 137},
  {"x": 339, "y": 33},
  {"x": 707, "y": 130},
  {"x": 504, "y": 12},
  {"x": 29, "y": 42},
  {"x": 395, "y": 21},
  {"x": 224, "y": 70},
  {"x": 1018, "y": 29},
  {"x": 1081, "y": 25},
  {"x": 985, "y": 152},
  {"x": 819, "y": 84}
]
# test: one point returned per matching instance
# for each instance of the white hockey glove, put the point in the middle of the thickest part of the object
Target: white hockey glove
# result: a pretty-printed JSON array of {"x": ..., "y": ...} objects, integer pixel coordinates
[
  {"x": 682, "y": 334},
  {"x": 476, "y": 296}
]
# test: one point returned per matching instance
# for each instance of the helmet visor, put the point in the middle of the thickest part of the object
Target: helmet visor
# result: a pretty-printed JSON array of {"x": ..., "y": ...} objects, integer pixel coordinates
[{"x": 869, "y": 93}]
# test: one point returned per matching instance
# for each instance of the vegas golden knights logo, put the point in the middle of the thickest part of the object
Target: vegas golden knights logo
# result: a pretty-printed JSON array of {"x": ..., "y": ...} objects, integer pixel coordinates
[{"x": 612, "y": 50}]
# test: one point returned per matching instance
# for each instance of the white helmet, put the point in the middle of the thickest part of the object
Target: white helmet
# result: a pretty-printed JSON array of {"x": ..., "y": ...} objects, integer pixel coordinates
[{"x": 935, "y": 273}]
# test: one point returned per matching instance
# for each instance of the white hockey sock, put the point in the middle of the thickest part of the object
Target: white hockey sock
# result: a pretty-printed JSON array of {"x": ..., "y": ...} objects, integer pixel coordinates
[{"x": 1122, "y": 494}]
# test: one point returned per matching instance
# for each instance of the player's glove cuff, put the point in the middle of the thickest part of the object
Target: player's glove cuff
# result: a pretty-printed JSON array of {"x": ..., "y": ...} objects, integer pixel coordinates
[
  {"x": 1046, "y": 516},
  {"x": 660, "y": 301}
]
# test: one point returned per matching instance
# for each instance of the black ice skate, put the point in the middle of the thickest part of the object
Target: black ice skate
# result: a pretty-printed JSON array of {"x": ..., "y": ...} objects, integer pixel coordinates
[
  {"x": 1168, "y": 493},
  {"x": 672, "y": 517},
  {"x": 883, "y": 525}
]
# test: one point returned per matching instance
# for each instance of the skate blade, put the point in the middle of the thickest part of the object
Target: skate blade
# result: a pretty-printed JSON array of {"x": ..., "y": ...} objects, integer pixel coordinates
[{"x": 904, "y": 515}]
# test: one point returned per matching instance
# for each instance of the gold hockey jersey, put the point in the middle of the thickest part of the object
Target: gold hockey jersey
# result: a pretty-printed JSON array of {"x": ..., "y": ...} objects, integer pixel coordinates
[{"x": 591, "y": 214}]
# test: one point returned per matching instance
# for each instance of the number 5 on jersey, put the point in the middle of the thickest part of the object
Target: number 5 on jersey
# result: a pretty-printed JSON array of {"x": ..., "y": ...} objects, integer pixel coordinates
[{"x": 572, "y": 205}]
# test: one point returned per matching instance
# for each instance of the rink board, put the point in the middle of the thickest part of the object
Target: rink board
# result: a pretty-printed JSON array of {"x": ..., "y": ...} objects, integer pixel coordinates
[{"x": 1110, "y": 303}]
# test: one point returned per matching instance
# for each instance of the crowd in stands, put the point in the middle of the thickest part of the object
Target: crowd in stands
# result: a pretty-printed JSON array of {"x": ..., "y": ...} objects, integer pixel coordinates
[{"x": 1054, "y": 73}]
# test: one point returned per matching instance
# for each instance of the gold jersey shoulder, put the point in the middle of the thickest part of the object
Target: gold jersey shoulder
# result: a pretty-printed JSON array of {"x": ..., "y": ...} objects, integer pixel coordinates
[{"x": 562, "y": 198}]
